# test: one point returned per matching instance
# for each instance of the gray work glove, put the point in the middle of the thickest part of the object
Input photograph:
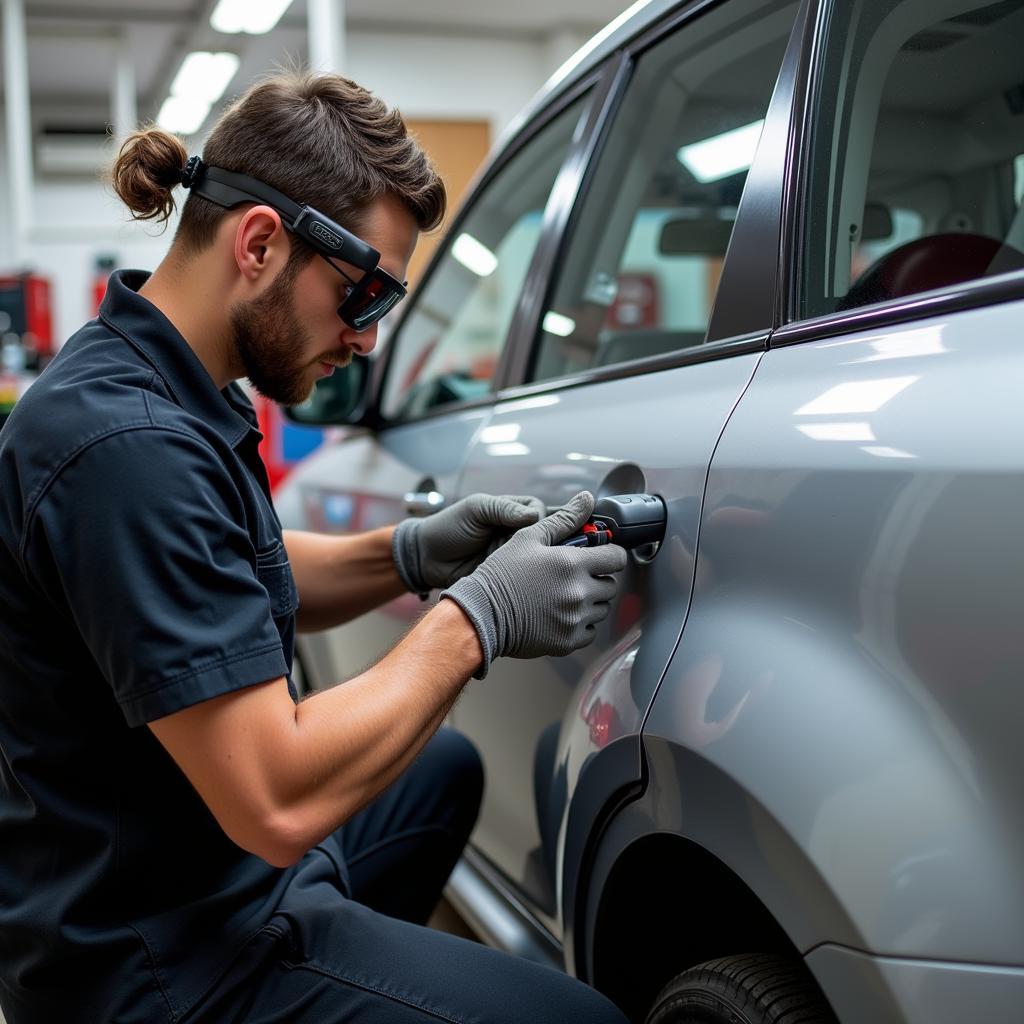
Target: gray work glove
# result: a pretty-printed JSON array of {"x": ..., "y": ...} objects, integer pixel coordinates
[
  {"x": 442, "y": 548},
  {"x": 532, "y": 597}
]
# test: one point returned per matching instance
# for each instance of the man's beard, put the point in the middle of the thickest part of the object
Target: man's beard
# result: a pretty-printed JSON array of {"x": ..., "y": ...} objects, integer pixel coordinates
[{"x": 267, "y": 336}]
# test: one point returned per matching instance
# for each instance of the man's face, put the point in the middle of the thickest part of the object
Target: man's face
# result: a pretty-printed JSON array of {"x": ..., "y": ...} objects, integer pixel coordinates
[{"x": 291, "y": 336}]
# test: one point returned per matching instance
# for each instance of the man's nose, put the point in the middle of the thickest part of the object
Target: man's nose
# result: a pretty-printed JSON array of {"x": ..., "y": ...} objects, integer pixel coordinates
[{"x": 362, "y": 344}]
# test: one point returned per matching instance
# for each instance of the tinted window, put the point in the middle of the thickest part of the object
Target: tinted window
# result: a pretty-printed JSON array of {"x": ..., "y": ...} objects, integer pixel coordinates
[
  {"x": 640, "y": 274},
  {"x": 450, "y": 342},
  {"x": 915, "y": 176}
]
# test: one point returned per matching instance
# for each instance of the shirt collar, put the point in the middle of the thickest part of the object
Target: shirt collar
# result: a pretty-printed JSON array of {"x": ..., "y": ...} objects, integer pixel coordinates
[{"x": 159, "y": 342}]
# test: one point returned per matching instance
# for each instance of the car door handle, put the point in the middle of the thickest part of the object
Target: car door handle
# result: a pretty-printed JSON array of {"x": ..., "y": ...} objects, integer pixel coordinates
[{"x": 423, "y": 503}]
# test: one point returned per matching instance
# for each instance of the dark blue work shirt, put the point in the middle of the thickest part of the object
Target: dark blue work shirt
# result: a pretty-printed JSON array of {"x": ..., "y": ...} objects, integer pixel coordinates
[{"x": 142, "y": 570}]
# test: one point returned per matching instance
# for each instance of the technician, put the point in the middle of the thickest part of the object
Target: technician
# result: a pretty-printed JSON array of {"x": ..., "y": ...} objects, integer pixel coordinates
[{"x": 180, "y": 840}]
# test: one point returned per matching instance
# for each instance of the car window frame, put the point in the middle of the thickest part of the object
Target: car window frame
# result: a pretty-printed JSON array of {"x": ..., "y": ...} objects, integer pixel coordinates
[
  {"x": 794, "y": 329},
  {"x": 598, "y": 81},
  {"x": 760, "y": 211}
]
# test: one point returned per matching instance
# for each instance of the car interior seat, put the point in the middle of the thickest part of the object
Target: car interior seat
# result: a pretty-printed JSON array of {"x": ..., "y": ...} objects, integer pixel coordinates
[{"x": 935, "y": 261}]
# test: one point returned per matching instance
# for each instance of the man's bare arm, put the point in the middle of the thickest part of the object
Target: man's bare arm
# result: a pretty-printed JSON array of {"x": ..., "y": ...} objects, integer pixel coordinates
[
  {"x": 340, "y": 578},
  {"x": 279, "y": 777}
]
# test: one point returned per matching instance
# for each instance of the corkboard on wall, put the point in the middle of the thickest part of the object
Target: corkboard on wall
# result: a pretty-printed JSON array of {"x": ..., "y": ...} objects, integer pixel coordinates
[{"x": 458, "y": 148}]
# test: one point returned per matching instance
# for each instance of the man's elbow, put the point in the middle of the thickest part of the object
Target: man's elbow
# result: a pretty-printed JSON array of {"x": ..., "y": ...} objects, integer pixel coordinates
[
  {"x": 281, "y": 838},
  {"x": 275, "y": 838}
]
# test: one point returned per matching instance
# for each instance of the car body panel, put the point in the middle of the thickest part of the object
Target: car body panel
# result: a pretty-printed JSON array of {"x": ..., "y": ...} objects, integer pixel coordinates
[
  {"x": 817, "y": 681},
  {"x": 869, "y": 560},
  {"x": 359, "y": 483},
  {"x": 537, "y": 722},
  {"x": 886, "y": 990}
]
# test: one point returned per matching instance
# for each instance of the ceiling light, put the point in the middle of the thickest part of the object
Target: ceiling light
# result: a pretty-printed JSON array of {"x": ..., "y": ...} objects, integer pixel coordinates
[
  {"x": 559, "y": 324},
  {"x": 199, "y": 83},
  {"x": 474, "y": 255},
  {"x": 204, "y": 76},
  {"x": 722, "y": 155},
  {"x": 252, "y": 16},
  {"x": 182, "y": 115}
]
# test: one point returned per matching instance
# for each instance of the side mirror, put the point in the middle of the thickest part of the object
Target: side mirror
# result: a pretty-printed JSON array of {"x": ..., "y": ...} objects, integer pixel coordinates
[{"x": 338, "y": 399}]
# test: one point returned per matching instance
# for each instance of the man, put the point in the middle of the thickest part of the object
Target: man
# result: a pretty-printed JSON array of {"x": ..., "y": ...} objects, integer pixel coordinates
[{"x": 179, "y": 839}]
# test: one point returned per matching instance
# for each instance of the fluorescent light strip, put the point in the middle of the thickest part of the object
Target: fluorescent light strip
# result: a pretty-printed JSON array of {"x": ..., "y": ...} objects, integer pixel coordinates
[
  {"x": 183, "y": 116},
  {"x": 722, "y": 155},
  {"x": 201, "y": 80},
  {"x": 253, "y": 16},
  {"x": 474, "y": 255},
  {"x": 558, "y": 324},
  {"x": 204, "y": 76}
]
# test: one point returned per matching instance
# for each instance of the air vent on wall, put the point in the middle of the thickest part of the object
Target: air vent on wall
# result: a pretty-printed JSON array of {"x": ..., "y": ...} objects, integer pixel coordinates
[{"x": 75, "y": 151}]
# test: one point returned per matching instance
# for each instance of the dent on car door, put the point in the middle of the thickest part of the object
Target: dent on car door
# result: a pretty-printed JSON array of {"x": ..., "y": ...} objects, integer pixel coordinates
[
  {"x": 638, "y": 279},
  {"x": 856, "y": 621},
  {"x": 436, "y": 390}
]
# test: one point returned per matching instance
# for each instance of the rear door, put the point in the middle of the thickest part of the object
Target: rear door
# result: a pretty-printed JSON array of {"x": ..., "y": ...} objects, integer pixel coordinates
[
  {"x": 625, "y": 387},
  {"x": 861, "y": 577}
]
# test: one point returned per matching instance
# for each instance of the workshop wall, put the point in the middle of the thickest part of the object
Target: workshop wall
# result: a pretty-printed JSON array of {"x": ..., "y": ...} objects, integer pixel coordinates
[{"x": 426, "y": 76}]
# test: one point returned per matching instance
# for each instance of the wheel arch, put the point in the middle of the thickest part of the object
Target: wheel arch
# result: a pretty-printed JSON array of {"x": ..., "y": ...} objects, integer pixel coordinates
[
  {"x": 714, "y": 876},
  {"x": 648, "y": 927}
]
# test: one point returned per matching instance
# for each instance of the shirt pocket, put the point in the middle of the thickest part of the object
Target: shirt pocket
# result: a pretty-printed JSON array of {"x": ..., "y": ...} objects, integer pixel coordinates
[{"x": 274, "y": 571}]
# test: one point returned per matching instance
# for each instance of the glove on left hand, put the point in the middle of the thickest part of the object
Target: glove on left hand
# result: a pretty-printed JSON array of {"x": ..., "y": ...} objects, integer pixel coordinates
[{"x": 442, "y": 548}]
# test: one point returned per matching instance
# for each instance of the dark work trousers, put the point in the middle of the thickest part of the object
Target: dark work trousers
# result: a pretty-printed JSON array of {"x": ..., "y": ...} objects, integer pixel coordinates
[{"x": 347, "y": 943}]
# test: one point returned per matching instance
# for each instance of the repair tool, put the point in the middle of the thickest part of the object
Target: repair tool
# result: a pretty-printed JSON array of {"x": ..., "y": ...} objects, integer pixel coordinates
[{"x": 630, "y": 520}]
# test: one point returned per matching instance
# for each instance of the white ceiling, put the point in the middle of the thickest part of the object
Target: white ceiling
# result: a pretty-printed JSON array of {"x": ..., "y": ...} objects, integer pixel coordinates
[{"x": 72, "y": 42}]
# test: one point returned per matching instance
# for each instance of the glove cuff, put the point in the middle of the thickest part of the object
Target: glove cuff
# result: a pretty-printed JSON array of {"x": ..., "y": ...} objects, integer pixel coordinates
[
  {"x": 405, "y": 551},
  {"x": 472, "y": 598}
]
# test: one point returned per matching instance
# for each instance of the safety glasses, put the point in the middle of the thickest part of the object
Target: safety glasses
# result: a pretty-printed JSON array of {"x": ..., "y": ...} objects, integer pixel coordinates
[{"x": 370, "y": 297}]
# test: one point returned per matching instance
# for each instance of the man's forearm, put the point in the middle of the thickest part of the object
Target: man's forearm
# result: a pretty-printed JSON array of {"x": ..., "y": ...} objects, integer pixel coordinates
[
  {"x": 362, "y": 734},
  {"x": 279, "y": 777},
  {"x": 340, "y": 578}
]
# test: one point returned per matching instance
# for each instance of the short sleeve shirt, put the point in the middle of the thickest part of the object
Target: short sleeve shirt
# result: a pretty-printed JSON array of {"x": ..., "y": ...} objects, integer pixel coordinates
[{"x": 142, "y": 570}]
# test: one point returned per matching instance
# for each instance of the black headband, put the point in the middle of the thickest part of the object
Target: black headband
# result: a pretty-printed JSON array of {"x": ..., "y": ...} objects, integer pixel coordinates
[{"x": 229, "y": 189}]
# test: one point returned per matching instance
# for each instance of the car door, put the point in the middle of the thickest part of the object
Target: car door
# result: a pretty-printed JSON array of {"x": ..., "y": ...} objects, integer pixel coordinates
[
  {"x": 861, "y": 578},
  {"x": 438, "y": 382},
  {"x": 625, "y": 387}
]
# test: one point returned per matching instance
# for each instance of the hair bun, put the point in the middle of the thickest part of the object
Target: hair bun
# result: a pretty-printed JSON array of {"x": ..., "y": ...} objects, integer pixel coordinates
[{"x": 148, "y": 166}]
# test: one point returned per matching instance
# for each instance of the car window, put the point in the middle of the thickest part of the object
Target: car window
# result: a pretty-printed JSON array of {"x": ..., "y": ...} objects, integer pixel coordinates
[
  {"x": 641, "y": 270},
  {"x": 915, "y": 179},
  {"x": 449, "y": 343}
]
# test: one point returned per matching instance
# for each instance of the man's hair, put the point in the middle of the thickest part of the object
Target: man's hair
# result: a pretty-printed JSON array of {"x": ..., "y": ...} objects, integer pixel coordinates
[{"x": 322, "y": 140}]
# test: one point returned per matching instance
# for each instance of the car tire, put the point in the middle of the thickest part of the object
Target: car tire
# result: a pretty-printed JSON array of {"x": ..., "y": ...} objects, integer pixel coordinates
[{"x": 755, "y": 988}]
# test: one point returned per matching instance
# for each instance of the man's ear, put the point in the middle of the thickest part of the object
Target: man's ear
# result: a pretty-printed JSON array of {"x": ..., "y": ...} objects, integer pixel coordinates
[{"x": 260, "y": 243}]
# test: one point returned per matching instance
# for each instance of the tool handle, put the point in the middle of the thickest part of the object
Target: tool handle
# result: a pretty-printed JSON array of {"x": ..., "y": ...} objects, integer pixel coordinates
[{"x": 630, "y": 520}]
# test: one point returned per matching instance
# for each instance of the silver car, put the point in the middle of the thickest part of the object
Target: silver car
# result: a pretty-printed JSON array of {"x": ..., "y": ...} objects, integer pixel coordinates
[{"x": 764, "y": 259}]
